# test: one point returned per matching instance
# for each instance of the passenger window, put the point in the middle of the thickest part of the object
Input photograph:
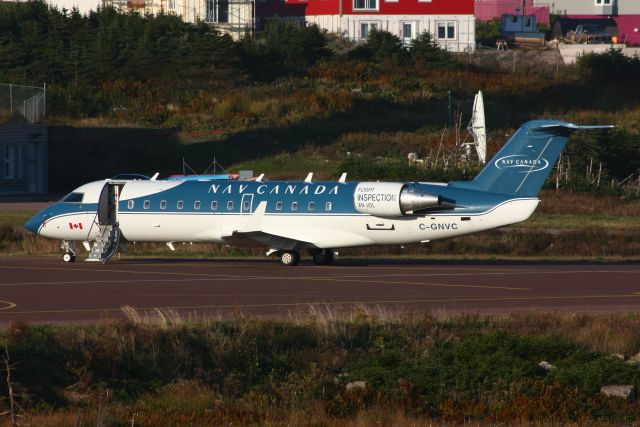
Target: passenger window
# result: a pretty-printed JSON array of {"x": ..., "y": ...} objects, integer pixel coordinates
[
  {"x": 294, "y": 206},
  {"x": 146, "y": 204},
  {"x": 278, "y": 206},
  {"x": 229, "y": 205},
  {"x": 245, "y": 205},
  {"x": 163, "y": 204},
  {"x": 312, "y": 206},
  {"x": 328, "y": 206},
  {"x": 180, "y": 204},
  {"x": 214, "y": 205},
  {"x": 130, "y": 204},
  {"x": 196, "y": 205}
]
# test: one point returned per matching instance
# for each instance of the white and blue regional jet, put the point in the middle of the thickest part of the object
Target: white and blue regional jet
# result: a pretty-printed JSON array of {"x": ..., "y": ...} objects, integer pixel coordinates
[{"x": 319, "y": 217}]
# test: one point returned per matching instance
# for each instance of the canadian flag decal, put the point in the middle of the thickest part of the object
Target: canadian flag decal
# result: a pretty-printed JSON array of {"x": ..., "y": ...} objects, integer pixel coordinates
[{"x": 73, "y": 226}]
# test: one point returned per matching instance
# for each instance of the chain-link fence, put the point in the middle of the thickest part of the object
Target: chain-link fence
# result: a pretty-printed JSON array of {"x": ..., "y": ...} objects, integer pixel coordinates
[{"x": 28, "y": 101}]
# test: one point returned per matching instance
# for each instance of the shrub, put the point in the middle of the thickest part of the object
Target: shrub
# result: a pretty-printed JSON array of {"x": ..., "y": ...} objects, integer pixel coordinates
[
  {"x": 385, "y": 46},
  {"x": 488, "y": 31},
  {"x": 610, "y": 66},
  {"x": 425, "y": 52}
]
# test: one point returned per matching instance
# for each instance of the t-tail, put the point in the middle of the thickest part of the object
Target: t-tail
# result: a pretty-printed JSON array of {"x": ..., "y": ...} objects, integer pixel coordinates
[{"x": 523, "y": 164}]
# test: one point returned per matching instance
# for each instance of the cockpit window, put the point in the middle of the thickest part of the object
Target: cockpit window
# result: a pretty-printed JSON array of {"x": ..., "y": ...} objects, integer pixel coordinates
[{"x": 73, "y": 198}]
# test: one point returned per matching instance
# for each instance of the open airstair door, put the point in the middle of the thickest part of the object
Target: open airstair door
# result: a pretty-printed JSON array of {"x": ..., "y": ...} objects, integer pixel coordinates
[
  {"x": 108, "y": 204},
  {"x": 108, "y": 238}
]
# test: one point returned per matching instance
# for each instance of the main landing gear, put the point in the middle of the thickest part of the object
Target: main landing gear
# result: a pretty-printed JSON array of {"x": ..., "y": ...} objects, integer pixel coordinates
[
  {"x": 291, "y": 257},
  {"x": 323, "y": 257},
  {"x": 69, "y": 251}
]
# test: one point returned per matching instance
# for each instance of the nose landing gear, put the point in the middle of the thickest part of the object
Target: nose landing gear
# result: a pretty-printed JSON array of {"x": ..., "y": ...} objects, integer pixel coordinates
[{"x": 69, "y": 251}]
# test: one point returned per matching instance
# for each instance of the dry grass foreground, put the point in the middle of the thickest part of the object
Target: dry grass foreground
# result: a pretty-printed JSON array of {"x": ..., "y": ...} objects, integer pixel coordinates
[{"x": 355, "y": 366}]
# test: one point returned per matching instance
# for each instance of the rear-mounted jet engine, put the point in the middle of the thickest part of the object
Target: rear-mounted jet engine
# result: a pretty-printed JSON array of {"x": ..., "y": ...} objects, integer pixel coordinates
[{"x": 392, "y": 199}]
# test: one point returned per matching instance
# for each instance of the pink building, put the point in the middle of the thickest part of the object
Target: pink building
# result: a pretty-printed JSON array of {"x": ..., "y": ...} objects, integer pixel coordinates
[{"x": 487, "y": 10}]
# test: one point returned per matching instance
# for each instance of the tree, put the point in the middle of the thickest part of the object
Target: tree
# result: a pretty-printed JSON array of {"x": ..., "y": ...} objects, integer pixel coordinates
[{"x": 425, "y": 52}]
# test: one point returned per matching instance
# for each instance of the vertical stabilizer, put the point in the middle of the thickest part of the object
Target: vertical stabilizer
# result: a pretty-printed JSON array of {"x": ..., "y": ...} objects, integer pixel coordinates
[{"x": 524, "y": 163}]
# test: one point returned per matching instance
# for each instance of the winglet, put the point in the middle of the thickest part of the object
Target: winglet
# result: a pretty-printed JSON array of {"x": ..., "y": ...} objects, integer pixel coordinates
[
  {"x": 309, "y": 177},
  {"x": 343, "y": 178},
  {"x": 154, "y": 177},
  {"x": 259, "y": 178},
  {"x": 261, "y": 209},
  {"x": 255, "y": 219}
]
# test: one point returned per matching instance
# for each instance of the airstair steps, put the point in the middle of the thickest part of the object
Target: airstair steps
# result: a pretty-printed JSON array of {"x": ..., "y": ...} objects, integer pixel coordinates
[{"x": 106, "y": 244}]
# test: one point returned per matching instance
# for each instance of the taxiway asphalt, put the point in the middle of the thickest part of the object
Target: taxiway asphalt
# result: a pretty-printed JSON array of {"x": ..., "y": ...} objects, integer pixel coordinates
[{"x": 48, "y": 290}]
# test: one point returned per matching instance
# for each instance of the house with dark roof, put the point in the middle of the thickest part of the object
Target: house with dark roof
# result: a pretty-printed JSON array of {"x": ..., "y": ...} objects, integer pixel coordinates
[{"x": 625, "y": 14}]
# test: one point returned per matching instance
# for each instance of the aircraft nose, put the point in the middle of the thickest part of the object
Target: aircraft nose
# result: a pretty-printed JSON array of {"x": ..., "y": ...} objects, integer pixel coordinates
[{"x": 34, "y": 223}]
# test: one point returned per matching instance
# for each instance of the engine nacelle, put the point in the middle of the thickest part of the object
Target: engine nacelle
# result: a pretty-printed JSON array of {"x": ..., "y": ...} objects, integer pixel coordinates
[{"x": 391, "y": 199}]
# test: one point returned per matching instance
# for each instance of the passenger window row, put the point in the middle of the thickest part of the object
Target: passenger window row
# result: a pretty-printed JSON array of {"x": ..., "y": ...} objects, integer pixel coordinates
[{"x": 214, "y": 205}]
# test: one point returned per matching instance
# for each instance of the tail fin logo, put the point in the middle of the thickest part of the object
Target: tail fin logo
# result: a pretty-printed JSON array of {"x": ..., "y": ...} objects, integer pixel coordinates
[{"x": 521, "y": 161}]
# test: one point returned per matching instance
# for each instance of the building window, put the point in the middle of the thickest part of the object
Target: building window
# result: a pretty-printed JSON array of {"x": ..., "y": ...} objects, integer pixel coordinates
[
  {"x": 9, "y": 152},
  {"x": 447, "y": 30},
  {"x": 147, "y": 204},
  {"x": 180, "y": 204},
  {"x": 365, "y": 27},
  {"x": 196, "y": 205},
  {"x": 163, "y": 204},
  {"x": 217, "y": 11},
  {"x": 214, "y": 205},
  {"x": 365, "y": 4}
]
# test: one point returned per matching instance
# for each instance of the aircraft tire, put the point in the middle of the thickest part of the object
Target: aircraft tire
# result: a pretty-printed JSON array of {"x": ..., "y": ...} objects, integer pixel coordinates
[
  {"x": 323, "y": 257},
  {"x": 68, "y": 257},
  {"x": 289, "y": 258}
]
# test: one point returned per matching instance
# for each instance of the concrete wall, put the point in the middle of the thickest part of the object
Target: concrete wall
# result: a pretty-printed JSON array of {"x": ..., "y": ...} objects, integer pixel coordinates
[{"x": 571, "y": 52}]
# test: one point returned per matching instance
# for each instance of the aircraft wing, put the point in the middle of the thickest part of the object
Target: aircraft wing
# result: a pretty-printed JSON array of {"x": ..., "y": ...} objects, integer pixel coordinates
[
  {"x": 257, "y": 230},
  {"x": 254, "y": 231},
  {"x": 240, "y": 238}
]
